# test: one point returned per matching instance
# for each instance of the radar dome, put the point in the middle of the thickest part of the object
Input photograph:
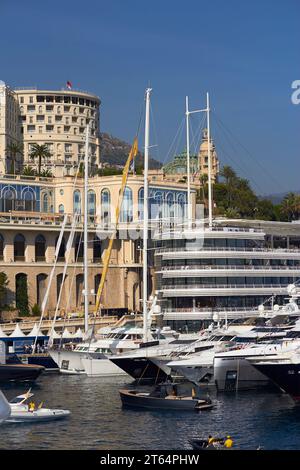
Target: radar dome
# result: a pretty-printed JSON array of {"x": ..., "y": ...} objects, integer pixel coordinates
[{"x": 2, "y": 83}]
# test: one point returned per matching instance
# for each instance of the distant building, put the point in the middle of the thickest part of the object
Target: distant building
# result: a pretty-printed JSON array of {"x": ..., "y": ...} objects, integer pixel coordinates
[
  {"x": 176, "y": 170},
  {"x": 59, "y": 119},
  {"x": 10, "y": 132}
]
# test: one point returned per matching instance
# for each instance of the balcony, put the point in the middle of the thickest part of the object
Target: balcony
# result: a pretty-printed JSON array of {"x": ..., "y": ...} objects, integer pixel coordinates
[
  {"x": 207, "y": 290},
  {"x": 219, "y": 271},
  {"x": 228, "y": 252}
]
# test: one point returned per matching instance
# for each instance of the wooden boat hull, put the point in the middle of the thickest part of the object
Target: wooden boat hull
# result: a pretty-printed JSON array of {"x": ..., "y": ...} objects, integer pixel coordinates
[
  {"x": 19, "y": 372},
  {"x": 133, "y": 399}
]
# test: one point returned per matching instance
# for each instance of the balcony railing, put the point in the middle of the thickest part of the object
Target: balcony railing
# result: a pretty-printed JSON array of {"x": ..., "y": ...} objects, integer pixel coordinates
[
  {"x": 193, "y": 268},
  {"x": 224, "y": 286},
  {"x": 161, "y": 251}
]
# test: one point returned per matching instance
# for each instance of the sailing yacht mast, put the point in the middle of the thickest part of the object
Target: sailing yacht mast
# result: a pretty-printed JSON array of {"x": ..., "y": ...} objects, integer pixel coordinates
[
  {"x": 210, "y": 206},
  {"x": 145, "y": 226},
  {"x": 188, "y": 163},
  {"x": 85, "y": 232}
]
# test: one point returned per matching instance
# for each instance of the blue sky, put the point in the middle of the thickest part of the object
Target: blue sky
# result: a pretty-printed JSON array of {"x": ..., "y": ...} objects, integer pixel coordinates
[{"x": 246, "y": 54}]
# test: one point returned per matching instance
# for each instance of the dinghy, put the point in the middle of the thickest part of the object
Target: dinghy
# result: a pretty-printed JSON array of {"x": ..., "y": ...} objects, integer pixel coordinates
[
  {"x": 23, "y": 412},
  {"x": 5, "y": 409}
]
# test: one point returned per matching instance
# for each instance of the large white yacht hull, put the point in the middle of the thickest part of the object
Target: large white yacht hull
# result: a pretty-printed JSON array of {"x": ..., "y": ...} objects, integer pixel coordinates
[
  {"x": 69, "y": 362},
  {"x": 237, "y": 374},
  {"x": 101, "y": 368}
]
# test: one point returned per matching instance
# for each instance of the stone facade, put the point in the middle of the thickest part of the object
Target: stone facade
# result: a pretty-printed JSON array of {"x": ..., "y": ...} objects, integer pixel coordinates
[{"x": 31, "y": 214}]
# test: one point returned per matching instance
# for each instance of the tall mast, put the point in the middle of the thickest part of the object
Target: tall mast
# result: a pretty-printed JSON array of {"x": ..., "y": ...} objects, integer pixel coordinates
[
  {"x": 145, "y": 226},
  {"x": 210, "y": 207},
  {"x": 187, "y": 115},
  {"x": 85, "y": 231}
]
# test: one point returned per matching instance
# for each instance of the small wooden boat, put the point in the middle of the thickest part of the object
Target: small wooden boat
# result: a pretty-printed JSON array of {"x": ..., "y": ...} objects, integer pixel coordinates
[
  {"x": 163, "y": 398},
  {"x": 202, "y": 444}
]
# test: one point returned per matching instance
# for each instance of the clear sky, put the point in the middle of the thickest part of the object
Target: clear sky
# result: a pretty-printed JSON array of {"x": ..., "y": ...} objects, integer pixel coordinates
[{"x": 246, "y": 54}]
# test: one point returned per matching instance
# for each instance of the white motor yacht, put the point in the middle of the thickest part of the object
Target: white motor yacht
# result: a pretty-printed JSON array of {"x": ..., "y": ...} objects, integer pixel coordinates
[{"x": 110, "y": 341}]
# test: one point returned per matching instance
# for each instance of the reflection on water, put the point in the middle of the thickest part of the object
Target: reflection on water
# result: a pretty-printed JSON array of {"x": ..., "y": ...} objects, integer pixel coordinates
[{"x": 98, "y": 421}]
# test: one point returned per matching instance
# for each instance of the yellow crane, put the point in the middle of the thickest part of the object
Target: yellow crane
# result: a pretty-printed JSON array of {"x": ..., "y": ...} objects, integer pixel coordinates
[{"x": 106, "y": 258}]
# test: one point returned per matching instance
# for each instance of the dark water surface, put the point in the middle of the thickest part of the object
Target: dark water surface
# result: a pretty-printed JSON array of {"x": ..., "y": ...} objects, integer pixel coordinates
[{"x": 268, "y": 419}]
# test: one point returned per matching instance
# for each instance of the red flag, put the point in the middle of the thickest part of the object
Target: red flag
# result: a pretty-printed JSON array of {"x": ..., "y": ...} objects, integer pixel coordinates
[{"x": 69, "y": 85}]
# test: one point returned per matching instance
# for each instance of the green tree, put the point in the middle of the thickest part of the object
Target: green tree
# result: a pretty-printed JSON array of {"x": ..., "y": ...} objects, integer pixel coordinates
[
  {"x": 290, "y": 207},
  {"x": 13, "y": 150},
  {"x": 39, "y": 152},
  {"x": 35, "y": 310},
  {"x": 46, "y": 174},
  {"x": 3, "y": 288},
  {"x": 28, "y": 171},
  {"x": 22, "y": 302}
]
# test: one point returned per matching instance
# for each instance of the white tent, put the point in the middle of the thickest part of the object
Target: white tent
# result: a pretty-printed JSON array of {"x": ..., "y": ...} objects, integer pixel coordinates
[
  {"x": 67, "y": 334},
  {"x": 17, "y": 333},
  {"x": 78, "y": 334},
  {"x": 35, "y": 331},
  {"x": 2, "y": 334},
  {"x": 53, "y": 334}
]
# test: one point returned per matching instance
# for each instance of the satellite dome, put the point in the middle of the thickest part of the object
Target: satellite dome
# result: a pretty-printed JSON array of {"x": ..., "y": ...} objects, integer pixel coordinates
[{"x": 2, "y": 83}]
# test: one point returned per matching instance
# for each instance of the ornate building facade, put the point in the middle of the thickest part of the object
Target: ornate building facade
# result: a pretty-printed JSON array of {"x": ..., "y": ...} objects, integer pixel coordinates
[{"x": 31, "y": 215}]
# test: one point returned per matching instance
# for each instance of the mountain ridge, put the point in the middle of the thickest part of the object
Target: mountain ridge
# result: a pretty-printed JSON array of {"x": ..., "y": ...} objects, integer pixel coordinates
[{"x": 114, "y": 152}]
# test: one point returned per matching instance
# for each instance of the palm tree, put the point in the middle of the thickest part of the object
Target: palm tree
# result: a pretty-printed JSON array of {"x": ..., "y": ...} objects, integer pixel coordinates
[
  {"x": 28, "y": 171},
  {"x": 14, "y": 149},
  {"x": 203, "y": 181},
  {"x": 46, "y": 174},
  {"x": 39, "y": 152},
  {"x": 290, "y": 206}
]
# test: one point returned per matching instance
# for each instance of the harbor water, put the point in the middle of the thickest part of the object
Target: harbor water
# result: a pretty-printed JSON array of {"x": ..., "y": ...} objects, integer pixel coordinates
[{"x": 266, "y": 419}]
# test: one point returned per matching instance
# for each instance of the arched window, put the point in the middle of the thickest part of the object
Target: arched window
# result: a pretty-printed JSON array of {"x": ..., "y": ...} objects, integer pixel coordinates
[
  {"x": 158, "y": 212},
  {"x": 40, "y": 248},
  {"x": 170, "y": 206},
  {"x": 8, "y": 199},
  {"x": 97, "y": 250},
  {"x": 28, "y": 197},
  {"x": 126, "y": 210},
  {"x": 45, "y": 202},
  {"x": 61, "y": 208},
  {"x": 19, "y": 247},
  {"x": 79, "y": 248},
  {"x": 105, "y": 206},
  {"x": 77, "y": 202},
  {"x": 91, "y": 204},
  {"x": 141, "y": 204},
  {"x": 62, "y": 249},
  {"x": 22, "y": 293},
  {"x": 40, "y": 288},
  {"x": 1, "y": 246},
  {"x": 181, "y": 206}
]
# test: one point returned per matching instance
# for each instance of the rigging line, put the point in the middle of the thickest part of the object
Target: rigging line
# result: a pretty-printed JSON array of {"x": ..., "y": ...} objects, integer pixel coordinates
[
  {"x": 70, "y": 291},
  {"x": 199, "y": 133},
  {"x": 154, "y": 131},
  {"x": 230, "y": 158},
  {"x": 196, "y": 139},
  {"x": 234, "y": 149},
  {"x": 250, "y": 154},
  {"x": 244, "y": 171},
  {"x": 177, "y": 135}
]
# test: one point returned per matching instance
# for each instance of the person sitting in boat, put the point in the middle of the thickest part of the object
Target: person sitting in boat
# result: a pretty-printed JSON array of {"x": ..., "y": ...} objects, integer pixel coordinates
[
  {"x": 210, "y": 440},
  {"x": 31, "y": 407},
  {"x": 228, "y": 442}
]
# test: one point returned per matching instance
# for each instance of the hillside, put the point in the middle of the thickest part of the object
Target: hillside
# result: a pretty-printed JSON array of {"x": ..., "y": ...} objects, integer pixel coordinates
[{"x": 115, "y": 152}]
